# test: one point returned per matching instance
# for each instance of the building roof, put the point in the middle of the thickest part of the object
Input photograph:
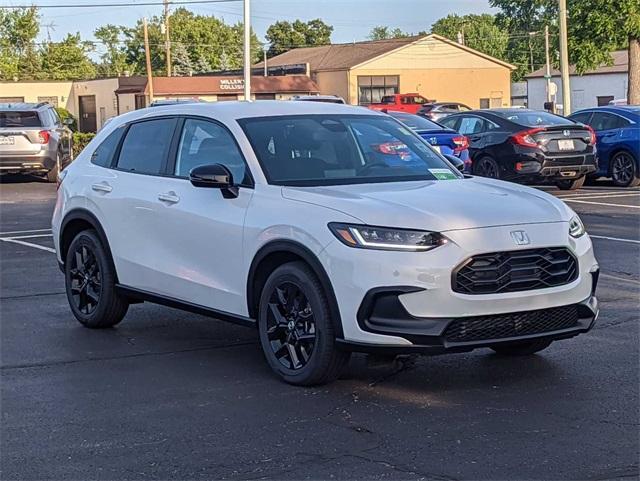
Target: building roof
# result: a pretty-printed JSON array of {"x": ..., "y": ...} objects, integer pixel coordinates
[
  {"x": 220, "y": 85},
  {"x": 620, "y": 59},
  {"x": 348, "y": 55}
]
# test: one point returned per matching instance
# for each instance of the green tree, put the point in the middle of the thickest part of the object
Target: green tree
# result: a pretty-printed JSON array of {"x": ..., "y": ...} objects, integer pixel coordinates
[
  {"x": 68, "y": 59},
  {"x": 382, "y": 32},
  {"x": 18, "y": 54},
  {"x": 596, "y": 28},
  {"x": 480, "y": 32},
  {"x": 204, "y": 37},
  {"x": 114, "y": 59},
  {"x": 283, "y": 35}
]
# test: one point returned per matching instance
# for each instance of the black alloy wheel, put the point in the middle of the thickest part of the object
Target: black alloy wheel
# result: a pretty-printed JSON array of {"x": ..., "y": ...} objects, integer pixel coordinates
[
  {"x": 623, "y": 170},
  {"x": 487, "y": 167},
  {"x": 291, "y": 327},
  {"x": 296, "y": 327},
  {"x": 86, "y": 279},
  {"x": 90, "y": 282}
]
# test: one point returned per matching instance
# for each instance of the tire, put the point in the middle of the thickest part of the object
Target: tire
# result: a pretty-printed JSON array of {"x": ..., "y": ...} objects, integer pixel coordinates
[
  {"x": 570, "y": 184},
  {"x": 90, "y": 281},
  {"x": 522, "y": 348},
  {"x": 52, "y": 175},
  {"x": 296, "y": 330},
  {"x": 487, "y": 167},
  {"x": 623, "y": 170}
]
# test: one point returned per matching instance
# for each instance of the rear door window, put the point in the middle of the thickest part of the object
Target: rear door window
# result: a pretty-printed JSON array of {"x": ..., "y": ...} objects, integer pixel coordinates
[
  {"x": 605, "y": 121},
  {"x": 146, "y": 145},
  {"x": 471, "y": 125},
  {"x": 449, "y": 122},
  {"x": 20, "y": 119}
]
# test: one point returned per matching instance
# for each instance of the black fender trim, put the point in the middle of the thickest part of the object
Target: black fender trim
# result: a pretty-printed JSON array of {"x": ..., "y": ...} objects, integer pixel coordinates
[
  {"x": 87, "y": 216},
  {"x": 141, "y": 295},
  {"x": 300, "y": 250}
]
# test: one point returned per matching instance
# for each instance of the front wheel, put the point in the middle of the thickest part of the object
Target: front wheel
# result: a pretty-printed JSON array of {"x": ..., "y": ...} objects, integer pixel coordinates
[
  {"x": 521, "y": 348},
  {"x": 296, "y": 330},
  {"x": 570, "y": 184},
  {"x": 623, "y": 170},
  {"x": 90, "y": 281}
]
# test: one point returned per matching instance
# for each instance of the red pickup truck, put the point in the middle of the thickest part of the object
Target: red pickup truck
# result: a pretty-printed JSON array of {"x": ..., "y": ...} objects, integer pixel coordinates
[{"x": 409, "y": 103}]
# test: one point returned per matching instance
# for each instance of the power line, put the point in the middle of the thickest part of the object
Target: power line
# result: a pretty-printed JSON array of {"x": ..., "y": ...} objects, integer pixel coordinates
[{"x": 141, "y": 4}]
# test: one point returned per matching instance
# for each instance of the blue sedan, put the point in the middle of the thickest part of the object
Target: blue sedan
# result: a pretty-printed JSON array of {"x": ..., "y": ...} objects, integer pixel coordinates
[
  {"x": 445, "y": 140},
  {"x": 618, "y": 141}
]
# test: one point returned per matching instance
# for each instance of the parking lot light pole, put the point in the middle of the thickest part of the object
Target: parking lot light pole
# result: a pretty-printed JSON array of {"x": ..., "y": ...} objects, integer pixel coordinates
[{"x": 247, "y": 51}]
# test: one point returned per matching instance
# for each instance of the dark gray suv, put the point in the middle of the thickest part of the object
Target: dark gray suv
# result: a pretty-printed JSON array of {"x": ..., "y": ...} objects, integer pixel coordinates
[{"x": 33, "y": 140}]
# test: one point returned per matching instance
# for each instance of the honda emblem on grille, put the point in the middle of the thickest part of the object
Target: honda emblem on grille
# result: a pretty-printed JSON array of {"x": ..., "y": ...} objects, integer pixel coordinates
[
  {"x": 566, "y": 133},
  {"x": 520, "y": 237}
]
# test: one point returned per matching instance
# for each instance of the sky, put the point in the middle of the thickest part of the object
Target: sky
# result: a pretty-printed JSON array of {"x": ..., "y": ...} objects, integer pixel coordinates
[{"x": 351, "y": 19}]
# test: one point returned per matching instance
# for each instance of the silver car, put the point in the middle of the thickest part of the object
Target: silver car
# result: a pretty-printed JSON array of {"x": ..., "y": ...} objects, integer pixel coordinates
[{"x": 33, "y": 140}]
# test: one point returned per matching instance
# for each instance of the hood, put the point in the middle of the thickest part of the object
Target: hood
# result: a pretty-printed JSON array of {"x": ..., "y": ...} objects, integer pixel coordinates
[{"x": 437, "y": 205}]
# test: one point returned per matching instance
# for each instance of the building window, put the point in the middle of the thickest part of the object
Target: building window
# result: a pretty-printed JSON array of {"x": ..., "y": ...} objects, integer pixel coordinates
[
  {"x": 224, "y": 97},
  {"x": 265, "y": 96},
  {"x": 50, "y": 100},
  {"x": 484, "y": 103},
  {"x": 604, "y": 99},
  {"x": 371, "y": 89}
]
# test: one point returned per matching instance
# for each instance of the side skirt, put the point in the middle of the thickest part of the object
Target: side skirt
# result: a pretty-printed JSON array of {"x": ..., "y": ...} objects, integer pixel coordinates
[{"x": 140, "y": 295}]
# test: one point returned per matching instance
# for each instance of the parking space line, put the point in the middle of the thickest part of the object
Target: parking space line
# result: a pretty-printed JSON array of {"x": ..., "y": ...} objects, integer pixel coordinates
[
  {"x": 608, "y": 196},
  {"x": 28, "y": 244},
  {"x": 29, "y": 236},
  {"x": 24, "y": 231},
  {"x": 599, "y": 192},
  {"x": 621, "y": 279},
  {"x": 602, "y": 203},
  {"x": 618, "y": 239}
]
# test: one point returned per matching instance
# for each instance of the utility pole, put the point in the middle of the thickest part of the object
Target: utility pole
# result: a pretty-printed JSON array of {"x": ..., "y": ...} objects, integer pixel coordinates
[
  {"x": 167, "y": 42},
  {"x": 564, "y": 59},
  {"x": 247, "y": 51},
  {"x": 548, "y": 65},
  {"x": 147, "y": 55},
  {"x": 264, "y": 61}
]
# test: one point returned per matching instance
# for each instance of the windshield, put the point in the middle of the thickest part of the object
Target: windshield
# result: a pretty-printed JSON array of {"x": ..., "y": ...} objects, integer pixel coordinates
[
  {"x": 534, "y": 118},
  {"x": 416, "y": 122},
  {"x": 341, "y": 149},
  {"x": 19, "y": 119}
]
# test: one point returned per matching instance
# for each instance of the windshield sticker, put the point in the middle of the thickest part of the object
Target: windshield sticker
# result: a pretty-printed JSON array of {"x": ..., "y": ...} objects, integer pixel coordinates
[{"x": 443, "y": 174}]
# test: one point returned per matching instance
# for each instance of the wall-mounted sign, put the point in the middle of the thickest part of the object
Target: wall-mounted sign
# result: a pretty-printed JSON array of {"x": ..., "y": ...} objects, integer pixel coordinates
[{"x": 231, "y": 84}]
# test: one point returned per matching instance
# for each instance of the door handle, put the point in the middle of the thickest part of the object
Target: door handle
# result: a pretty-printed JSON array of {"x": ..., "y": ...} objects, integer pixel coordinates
[
  {"x": 102, "y": 187},
  {"x": 169, "y": 197}
]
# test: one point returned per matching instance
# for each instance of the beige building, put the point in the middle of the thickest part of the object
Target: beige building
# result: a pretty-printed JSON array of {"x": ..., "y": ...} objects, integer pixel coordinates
[
  {"x": 92, "y": 102},
  {"x": 433, "y": 66}
]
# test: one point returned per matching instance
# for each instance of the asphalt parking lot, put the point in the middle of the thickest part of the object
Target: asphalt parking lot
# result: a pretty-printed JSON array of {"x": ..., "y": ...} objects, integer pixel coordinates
[{"x": 172, "y": 395}]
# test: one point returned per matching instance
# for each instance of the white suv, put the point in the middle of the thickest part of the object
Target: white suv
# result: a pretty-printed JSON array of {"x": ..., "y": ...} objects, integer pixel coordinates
[{"x": 329, "y": 229}]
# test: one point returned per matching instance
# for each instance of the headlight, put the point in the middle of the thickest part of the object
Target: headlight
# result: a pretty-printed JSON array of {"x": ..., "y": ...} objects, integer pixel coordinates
[
  {"x": 576, "y": 227},
  {"x": 383, "y": 238}
]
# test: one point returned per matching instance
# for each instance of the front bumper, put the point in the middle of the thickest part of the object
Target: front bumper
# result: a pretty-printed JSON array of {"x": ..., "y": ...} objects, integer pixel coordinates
[{"x": 419, "y": 287}]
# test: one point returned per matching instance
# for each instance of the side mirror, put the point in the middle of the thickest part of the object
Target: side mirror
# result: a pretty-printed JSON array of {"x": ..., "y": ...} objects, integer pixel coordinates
[
  {"x": 457, "y": 163},
  {"x": 214, "y": 176},
  {"x": 68, "y": 121}
]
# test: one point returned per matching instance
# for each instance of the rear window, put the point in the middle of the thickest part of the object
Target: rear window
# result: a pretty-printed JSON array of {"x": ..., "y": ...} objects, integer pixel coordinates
[
  {"x": 533, "y": 119},
  {"x": 103, "y": 155},
  {"x": 19, "y": 119},
  {"x": 388, "y": 99},
  {"x": 416, "y": 122}
]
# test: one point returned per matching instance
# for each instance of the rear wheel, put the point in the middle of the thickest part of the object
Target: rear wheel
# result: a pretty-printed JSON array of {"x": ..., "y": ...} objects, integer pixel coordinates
[
  {"x": 521, "y": 348},
  {"x": 487, "y": 167},
  {"x": 52, "y": 175},
  {"x": 570, "y": 184},
  {"x": 296, "y": 330},
  {"x": 90, "y": 283},
  {"x": 623, "y": 170}
]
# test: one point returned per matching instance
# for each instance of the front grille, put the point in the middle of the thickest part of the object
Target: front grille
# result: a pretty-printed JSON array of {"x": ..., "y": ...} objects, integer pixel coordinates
[
  {"x": 511, "y": 325},
  {"x": 514, "y": 271}
]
